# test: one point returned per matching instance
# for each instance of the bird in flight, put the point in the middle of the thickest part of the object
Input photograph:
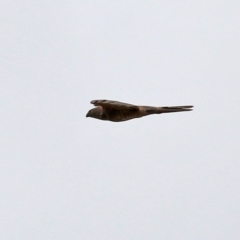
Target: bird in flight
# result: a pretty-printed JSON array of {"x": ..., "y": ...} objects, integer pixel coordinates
[{"x": 118, "y": 111}]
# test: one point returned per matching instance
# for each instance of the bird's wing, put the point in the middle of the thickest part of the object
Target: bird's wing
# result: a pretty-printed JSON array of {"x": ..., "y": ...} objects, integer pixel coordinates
[{"x": 113, "y": 104}]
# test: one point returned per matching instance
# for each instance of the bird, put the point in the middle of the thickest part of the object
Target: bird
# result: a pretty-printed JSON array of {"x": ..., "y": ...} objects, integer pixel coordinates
[{"x": 114, "y": 111}]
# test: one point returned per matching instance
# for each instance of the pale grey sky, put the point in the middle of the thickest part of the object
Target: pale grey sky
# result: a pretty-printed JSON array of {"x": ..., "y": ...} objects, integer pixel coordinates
[{"x": 172, "y": 176}]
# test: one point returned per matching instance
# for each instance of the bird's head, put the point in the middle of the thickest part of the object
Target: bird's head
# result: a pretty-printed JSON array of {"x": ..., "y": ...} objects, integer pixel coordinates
[{"x": 95, "y": 113}]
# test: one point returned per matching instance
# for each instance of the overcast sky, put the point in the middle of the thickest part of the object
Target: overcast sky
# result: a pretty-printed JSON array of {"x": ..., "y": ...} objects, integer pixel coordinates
[{"x": 171, "y": 176}]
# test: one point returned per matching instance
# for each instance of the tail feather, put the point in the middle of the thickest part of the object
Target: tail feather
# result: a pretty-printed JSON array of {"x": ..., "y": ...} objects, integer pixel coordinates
[{"x": 174, "y": 109}]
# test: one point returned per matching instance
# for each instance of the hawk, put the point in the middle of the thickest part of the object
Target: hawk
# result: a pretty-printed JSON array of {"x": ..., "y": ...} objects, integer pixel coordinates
[{"x": 118, "y": 111}]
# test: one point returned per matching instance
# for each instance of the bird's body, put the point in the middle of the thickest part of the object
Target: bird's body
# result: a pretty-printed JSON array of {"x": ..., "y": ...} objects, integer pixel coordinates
[{"x": 118, "y": 112}]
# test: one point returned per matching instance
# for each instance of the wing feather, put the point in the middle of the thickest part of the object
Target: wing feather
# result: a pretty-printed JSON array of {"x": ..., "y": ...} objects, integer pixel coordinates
[{"x": 113, "y": 104}]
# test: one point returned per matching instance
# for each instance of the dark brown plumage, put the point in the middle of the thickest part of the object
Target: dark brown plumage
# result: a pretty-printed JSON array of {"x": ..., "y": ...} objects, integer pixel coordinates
[{"x": 117, "y": 111}]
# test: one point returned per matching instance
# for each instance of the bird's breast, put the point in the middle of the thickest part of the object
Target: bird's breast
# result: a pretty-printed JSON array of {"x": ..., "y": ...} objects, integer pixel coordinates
[{"x": 121, "y": 115}]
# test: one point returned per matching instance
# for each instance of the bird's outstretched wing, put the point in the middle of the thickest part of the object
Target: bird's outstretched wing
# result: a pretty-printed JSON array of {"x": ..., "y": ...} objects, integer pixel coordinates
[{"x": 113, "y": 104}]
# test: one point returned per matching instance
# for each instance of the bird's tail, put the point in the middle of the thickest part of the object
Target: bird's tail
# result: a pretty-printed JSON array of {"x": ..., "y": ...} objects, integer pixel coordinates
[
  {"x": 159, "y": 110},
  {"x": 174, "y": 109}
]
